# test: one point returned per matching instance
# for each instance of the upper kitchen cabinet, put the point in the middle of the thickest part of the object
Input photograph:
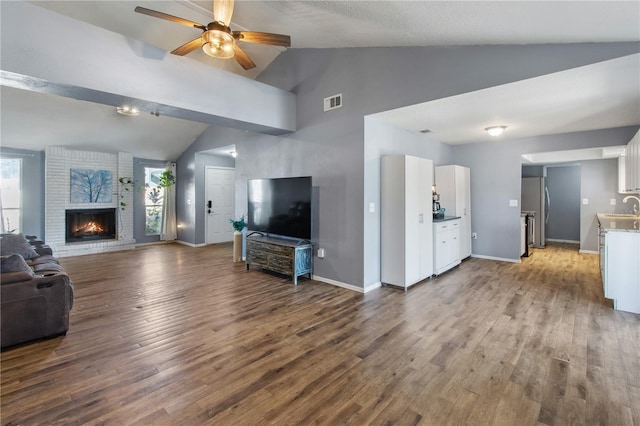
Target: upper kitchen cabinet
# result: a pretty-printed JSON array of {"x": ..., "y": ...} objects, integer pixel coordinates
[
  {"x": 629, "y": 167},
  {"x": 454, "y": 187}
]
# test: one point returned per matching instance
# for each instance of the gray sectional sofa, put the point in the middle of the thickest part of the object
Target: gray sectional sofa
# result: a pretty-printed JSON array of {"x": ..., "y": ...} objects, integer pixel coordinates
[{"x": 36, "y": 294}]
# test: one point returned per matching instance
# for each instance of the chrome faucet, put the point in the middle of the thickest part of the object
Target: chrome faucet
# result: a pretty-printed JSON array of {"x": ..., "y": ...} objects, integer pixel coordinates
[{"x": 636, "y": 209}]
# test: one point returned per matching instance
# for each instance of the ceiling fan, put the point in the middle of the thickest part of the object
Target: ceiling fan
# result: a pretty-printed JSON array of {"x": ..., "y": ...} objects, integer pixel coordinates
[{"x": 217, "y": 39}]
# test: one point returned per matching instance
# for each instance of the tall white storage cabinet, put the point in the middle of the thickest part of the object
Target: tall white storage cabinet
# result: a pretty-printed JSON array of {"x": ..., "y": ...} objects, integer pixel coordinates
[
  {"x": 454, "y": 186},
  {"x": 406, "y": 231}
]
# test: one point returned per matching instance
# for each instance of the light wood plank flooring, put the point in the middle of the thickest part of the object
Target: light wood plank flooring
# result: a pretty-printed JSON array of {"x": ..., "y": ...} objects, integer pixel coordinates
[{"x": 174, "y": 335}]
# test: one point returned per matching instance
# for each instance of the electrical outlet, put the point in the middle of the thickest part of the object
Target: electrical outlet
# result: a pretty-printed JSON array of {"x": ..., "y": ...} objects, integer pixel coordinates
[
  {"x": 585, "y": 201},
  {"x": 372, "y": 207},
  {"x": 612, "y": 201},
  {"x": 513, "y": 203},
  {"x": 474, "y": 235},
  {"x": 321, "y": 253}
]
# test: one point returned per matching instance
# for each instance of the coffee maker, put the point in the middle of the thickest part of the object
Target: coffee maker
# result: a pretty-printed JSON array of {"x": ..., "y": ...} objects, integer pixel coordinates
[{"x": 436, "y": 202}]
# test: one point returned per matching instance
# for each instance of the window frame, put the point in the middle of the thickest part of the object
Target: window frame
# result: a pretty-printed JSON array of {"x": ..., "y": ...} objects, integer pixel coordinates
[
  {"x": 149, "y": 185},
  {"x": 20, "y": 207}
]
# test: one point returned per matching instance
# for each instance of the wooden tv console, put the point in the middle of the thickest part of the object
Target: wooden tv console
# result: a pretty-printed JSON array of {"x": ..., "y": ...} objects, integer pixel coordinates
[{"x": 288, "y": 257}]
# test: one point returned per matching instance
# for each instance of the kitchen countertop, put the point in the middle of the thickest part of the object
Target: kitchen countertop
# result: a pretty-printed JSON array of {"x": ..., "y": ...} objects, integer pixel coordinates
[
  {"x": 446, "y": 218},
  {"x": 624, "y": 224}
]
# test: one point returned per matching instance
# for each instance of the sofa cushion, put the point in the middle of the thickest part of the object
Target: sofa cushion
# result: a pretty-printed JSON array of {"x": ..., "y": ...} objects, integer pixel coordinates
[
  {"x": 13, "y": 263},
  {"x": 14, "y": 269},
  {"x": 18, "y": 244}
]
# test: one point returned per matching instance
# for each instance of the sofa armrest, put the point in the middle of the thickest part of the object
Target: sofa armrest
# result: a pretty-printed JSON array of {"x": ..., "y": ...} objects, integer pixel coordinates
[
  {"x": 14, "y": 277},
  {"x": 36, "y": 308},
  {"x": 43, "y": 250}
]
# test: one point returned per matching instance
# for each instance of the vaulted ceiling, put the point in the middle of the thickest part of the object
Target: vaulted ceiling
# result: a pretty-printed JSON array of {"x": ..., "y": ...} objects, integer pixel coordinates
[{"x": 311, "y": 24}]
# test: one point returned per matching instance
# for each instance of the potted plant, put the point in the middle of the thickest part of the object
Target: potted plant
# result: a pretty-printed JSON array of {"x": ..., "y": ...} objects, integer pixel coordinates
[{"x": 238, "y": 226}]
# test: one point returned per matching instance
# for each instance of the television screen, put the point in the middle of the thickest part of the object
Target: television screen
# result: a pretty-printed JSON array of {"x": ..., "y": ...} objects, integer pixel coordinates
[{"x": 280, "y": 206}]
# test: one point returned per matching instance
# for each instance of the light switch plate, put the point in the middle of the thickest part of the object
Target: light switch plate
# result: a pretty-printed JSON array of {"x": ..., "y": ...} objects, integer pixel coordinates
[
  {"x": 372, "y": 207},
  {"x": 613, "y": 201},
  {"x": 513, "y": 203}
]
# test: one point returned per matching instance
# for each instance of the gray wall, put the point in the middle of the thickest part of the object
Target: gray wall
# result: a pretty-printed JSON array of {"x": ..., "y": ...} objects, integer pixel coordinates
[
  {"x": 331, "y": 146},
  {"x": 384, "y": 139},
  {"x": 599, "y": 186},
  {"x": 32, "y": 189},
  {"x": 190, "y": 186},
  {"x": 533, "y": 171},
  {"x": 496, "y": 179},
  {"x": 563, "y": 184}
]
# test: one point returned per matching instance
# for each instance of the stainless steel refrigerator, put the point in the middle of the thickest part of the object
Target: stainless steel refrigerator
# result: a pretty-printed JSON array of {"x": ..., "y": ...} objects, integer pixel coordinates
[{"x": 535, "y": 197}]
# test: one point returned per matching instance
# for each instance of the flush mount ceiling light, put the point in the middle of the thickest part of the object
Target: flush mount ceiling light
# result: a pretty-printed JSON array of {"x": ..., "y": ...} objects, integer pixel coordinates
[
  {"x": 495, "y": 130},
  {"x": 127, "y": 110}
]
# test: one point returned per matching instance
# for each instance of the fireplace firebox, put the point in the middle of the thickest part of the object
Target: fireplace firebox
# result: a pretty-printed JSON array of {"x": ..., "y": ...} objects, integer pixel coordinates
[{"x": 90, "y": 224}]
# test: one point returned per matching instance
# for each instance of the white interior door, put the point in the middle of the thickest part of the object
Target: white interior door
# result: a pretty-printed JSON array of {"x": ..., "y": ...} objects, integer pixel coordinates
[{"x": 219, "y": 204}]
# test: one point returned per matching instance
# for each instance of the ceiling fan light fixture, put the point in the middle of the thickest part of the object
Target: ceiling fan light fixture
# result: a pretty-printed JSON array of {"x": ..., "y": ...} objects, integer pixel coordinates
[
  {"x": 218, "y": 44},
  {"x": 495, "y": 130}
]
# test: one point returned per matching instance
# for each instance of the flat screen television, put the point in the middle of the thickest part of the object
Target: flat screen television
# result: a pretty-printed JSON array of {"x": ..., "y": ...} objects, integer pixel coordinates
[{"x": 280, "y": 206}]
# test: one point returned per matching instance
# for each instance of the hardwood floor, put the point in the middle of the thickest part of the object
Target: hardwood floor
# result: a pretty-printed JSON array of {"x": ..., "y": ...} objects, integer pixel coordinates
[{"x": 177, "y": 335}]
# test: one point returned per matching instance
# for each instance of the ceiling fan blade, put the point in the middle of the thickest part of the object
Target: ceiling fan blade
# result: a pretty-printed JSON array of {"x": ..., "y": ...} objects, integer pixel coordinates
[
  {"x": 168, "y": 17},
  {"x": 222, "y": 11},
  {"x": 263, "y": 38},
  {"x": 188, "y": 47},
  {"x": 242, "y": 58}
]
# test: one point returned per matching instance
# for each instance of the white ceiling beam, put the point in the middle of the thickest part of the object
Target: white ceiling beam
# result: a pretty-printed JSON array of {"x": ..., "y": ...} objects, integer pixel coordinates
[{"x": 48, "y": 52}]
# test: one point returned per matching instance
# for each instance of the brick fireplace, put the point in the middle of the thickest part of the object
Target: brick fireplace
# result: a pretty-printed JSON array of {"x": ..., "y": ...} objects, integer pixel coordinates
[{"x": 62, "y": 215}]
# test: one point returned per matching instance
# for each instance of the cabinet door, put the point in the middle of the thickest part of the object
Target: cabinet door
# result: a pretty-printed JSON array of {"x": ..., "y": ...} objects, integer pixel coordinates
[
  {"x": 454, "y": 239},
  {"x": 426, "y": 219},
  {"x": 465, "y": 213},
  {"x": 413, "y": 212},
  {"x": 622, "y": 284}
]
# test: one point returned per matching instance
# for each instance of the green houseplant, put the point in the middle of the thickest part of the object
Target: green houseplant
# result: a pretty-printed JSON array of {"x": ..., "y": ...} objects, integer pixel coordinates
[{"x": 238, "y": 226}]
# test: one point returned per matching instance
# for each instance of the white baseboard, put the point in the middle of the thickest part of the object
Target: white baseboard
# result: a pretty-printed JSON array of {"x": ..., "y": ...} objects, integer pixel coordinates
[
  {"x": 553, "y": 240},
  {"x": 184, "y": 243},
  {"x": 501, "y": 259},
  {"x": 347, "y": 286},
  {"x": 154, "y": 243},
  {"x": 588, "y": 251}
]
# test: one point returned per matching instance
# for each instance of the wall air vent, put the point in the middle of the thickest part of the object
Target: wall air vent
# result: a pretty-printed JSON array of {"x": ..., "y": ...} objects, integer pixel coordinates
[{"x": 333, "y": 102}]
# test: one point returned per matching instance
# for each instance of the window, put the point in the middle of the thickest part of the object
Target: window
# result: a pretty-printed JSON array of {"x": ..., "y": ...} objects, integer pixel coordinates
[
  {"x": 153, "y": 198},
  {"x": 11, "y": 194}
]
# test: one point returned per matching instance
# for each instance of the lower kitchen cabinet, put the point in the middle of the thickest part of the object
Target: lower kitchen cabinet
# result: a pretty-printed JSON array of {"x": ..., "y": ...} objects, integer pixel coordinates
[
  {"x": 446, "y": 245},
  {"x": 621, "y": 269}
]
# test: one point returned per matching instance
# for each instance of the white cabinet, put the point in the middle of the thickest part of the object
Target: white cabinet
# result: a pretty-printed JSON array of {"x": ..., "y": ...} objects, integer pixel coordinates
[
  {"x": 454, "y": 186},
  {"x": 406, "y": 218},
  {"x": 631, "y": 166},
  {"x": 621, "y": 274},
  {"x": 446, "y": 245},
  {"x": 523, "y": 235}
]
